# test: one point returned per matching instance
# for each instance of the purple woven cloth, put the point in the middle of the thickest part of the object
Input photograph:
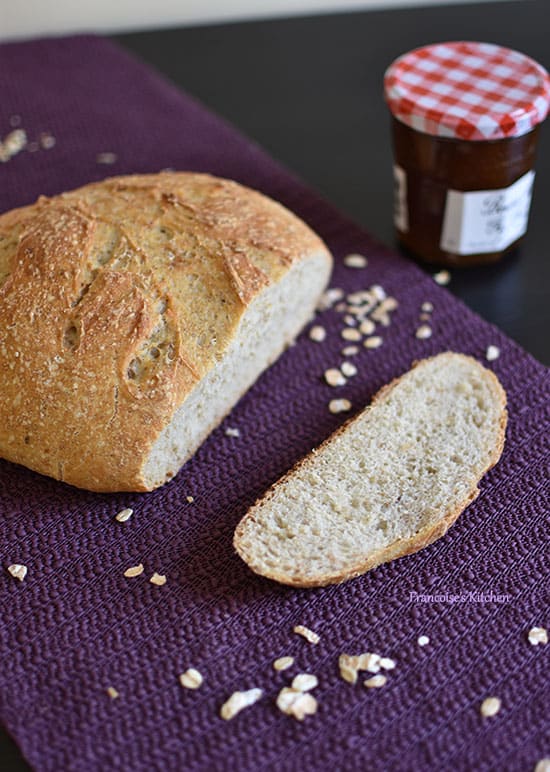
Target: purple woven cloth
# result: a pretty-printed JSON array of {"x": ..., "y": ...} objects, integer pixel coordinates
[{"x": 76, "y": 626}]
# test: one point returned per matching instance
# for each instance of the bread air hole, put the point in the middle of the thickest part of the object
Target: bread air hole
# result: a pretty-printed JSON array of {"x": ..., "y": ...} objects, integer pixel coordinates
[
  {"x": 135, "y": 368},
  {"x": 70, "y": 338}
]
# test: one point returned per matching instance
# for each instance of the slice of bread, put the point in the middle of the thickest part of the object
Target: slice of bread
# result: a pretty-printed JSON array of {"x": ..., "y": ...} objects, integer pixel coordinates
[{"x": 387, "y": 483}]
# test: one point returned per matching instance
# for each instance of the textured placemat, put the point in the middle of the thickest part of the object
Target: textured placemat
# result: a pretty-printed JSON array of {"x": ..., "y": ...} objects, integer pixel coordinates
[{"x": 76, "y": 626}]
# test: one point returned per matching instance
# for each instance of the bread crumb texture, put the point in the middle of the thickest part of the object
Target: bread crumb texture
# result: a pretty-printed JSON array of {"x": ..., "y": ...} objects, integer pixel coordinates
[
  {"x": 389, "y": 482},
  {"x": 141, "y": 290}
]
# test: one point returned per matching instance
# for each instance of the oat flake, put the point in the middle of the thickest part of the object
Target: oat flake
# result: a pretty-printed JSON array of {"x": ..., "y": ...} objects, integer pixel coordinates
[
  {"x": 317, "y": 333},
  {"x": 355, "y": 261},
  {"x": 134, "y": 571},
  {"x": 18, "y": 571},
  {"x": 339, "y": 406},
  {"x": 238, "y": 701},
  {"x": 537, "y": 635},
  {"x": 304, "y": 682},
  {"x": 306, "y": 633},
  {"x": 283, "y": 663},
  {"x": 490, "y": 706},
  {"x": 191, "y": 679}
]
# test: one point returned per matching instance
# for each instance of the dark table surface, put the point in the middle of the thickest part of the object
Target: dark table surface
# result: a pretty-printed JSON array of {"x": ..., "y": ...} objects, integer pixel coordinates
[{"x": 309, "y": 91}]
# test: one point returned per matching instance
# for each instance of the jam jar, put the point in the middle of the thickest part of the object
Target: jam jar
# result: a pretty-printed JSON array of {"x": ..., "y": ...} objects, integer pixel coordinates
[{"x": 465, "y": 120}]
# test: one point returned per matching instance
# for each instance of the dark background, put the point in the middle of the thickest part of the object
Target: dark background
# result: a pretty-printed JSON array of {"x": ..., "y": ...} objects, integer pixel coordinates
[{"x": 310, "y": 91}]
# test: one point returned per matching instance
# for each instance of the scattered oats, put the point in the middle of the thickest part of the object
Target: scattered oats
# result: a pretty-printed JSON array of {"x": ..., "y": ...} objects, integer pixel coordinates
[
  {"x": 286, "y": 697},
  {"x": 381, "y": 314},
  {"x": 355, "y": 261},
  {"x": 423, "y": 332},
  {"x": 423, "y": 640},
  {"x": 32, "y": 147},
  {"x": 425, "y": 317},
  {"x": 350, "y": 665},
  {"x": 124, "y": 515},
  {"x": 350, "y": 351},
  {"x": 351, "y": 321},
  {"x": 375, "y": 682},
  {"x": 490, "y": 706},
  {"x": 238, "y": 701},
  {"x": 15, "y": 120},
  {"x": 334, "y": 377},
  {"x": 47, "y": 141},
  {"x": 537, "y": 635},
  {"x": 442, "y": 278},
  {"x": 378, "y": 292},
  {"x": 329, "y": 298},
  {"x": 356, "y": 298},
  {"x": 543, "y": 766},
  {"x": 230, "y": 432},
  {"x": 375, "y": 341},
  {"x": 134, "y": 571},
  {"x": 341, "y": 307},
  {"x": 386, "y": 663},
  {"x": 348, "y": 369},
  {"x": 112, "y": 692},
  {"x": 367, "y": 327},
  {"x": 13, "y": 143},
  {"x": 305, "y": 632},
  {"x": 296, "y": 704},
  {"x": 191, "y": 679},
  {"x": 106, "y": 158},
  {"x": 18, "y": 571},
  {"x": 369, "y": 662},
  {"x": 283, "y": 663},
  {"x": 304, "y": 682},
  {"x": 492, "y": 353},
  {"x": 348, "y": 668},
  {"x": 350, "y": 333},
  {"x": 318, "y": 333},
  {"x": 339, "y": 405},
  {"x": 427, "y": 307},
  {"x": 158, "y": 579},
  {"x": 189, "y": 499}
]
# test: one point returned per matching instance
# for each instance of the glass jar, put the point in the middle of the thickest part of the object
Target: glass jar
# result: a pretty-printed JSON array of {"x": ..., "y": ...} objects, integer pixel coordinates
[{"x": 465, "y": 120}]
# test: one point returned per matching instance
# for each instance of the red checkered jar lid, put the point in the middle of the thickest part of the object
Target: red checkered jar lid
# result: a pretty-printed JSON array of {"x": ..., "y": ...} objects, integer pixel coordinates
[{"x": 465, "y": 90}]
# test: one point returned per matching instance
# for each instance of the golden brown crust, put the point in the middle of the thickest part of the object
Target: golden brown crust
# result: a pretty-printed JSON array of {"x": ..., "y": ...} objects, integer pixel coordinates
[
  {"x": 401, "y": 547},
  {"x": 115, "y": 300}
]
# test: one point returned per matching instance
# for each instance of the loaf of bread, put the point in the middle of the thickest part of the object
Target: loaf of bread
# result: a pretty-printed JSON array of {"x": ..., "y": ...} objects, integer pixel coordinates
[
  {"x": 389, "y": 482},
  {"x": 134, "y": 313}
]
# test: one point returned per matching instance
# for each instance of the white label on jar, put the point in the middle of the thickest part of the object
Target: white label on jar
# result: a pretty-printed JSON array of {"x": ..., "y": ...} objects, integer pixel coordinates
[
  {"x": 400, "y": 211},
  {"x": 486, "y": 220}
]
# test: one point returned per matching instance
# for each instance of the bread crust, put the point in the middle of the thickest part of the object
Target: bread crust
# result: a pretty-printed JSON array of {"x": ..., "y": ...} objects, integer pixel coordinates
[
  {"x": 400, "y": 547},
  {"x": 115, "y": 300}
]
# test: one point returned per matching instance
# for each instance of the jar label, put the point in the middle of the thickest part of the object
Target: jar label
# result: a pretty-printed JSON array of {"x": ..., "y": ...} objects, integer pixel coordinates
[
  {"x": 400, "y": 211},
  {"x": 486, "y": 220}
]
